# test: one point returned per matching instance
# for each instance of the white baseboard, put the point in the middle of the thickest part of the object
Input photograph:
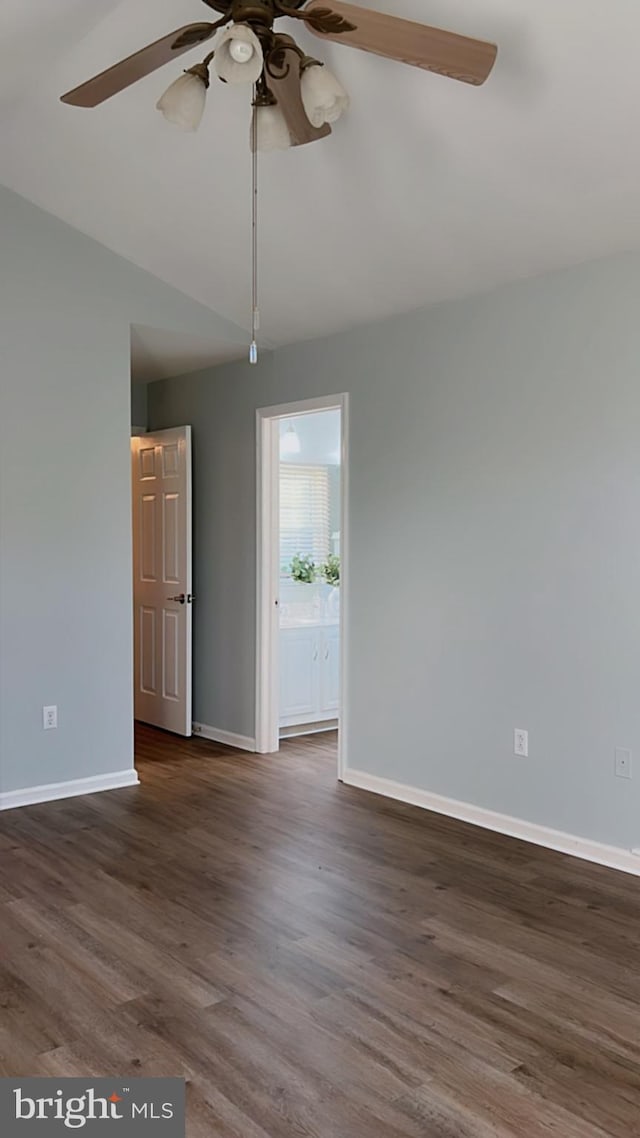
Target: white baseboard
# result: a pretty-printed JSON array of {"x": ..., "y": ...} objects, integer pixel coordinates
[
  {"x": 229, "y": 738},
  {"x": 628, "y": 861},
  {"x": 50, "y": 792},
  {"x": 315, "y": 728}
]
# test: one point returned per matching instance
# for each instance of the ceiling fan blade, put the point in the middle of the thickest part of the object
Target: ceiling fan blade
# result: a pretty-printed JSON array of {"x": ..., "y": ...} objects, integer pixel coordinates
[
  {"x": 446, "y": 53},
  {"x": 136, "y": 66},
  {"x": 287, "y": 92}
]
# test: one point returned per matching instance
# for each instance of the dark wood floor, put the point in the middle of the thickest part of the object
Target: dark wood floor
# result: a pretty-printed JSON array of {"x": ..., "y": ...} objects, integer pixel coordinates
[{"x": 316, "y": 961}]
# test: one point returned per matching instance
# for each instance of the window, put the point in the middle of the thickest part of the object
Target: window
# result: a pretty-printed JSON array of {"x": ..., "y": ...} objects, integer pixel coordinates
[{"x": 304, "y": 513}]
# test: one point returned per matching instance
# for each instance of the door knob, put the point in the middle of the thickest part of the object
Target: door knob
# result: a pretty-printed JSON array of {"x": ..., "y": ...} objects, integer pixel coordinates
[{"x": 180, "y": 598}]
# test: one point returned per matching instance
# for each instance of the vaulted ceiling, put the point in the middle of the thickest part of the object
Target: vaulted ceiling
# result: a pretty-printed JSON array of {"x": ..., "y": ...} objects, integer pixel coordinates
[{"x": 428, "y": 188}]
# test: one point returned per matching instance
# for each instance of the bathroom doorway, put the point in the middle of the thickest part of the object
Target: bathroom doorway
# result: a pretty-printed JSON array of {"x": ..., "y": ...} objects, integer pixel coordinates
[{"x": 302, "y": 468}]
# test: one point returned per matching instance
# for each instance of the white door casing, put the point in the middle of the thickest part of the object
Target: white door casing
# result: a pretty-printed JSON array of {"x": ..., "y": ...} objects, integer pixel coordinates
[
  {"x": 162, "y": 578},
  {"x": 267, "y": 573}
]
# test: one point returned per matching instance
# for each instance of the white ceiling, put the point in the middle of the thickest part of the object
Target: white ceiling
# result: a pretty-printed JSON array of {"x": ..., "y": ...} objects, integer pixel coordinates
[{"x": 429, "y": 189}]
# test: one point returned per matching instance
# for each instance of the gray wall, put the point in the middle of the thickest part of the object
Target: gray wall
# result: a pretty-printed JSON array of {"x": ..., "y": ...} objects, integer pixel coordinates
[
  {"x": 65, "y": 532},
  {"x": 495, "y": 542},
  {"x": 139, "y": 405}
]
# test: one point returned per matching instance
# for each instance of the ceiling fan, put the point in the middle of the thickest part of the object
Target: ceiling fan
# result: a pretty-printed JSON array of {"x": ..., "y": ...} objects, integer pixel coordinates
[
  {"x": 294, "y": 105},
  {"x": 295, "y": 97}
]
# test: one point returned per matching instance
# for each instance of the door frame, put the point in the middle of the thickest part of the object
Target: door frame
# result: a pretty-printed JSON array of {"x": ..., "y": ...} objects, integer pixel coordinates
[{"x": 268, "y": 568}]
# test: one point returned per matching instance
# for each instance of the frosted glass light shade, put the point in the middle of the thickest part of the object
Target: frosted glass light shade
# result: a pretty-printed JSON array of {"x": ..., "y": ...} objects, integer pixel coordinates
[
  {"x": 323, "y": 96},
  {"x": 233, "y": 61},
  {"x": 184, "y": 101},
  {"x": 240, "y": 51},
  {"x": 272, "y": 129}
]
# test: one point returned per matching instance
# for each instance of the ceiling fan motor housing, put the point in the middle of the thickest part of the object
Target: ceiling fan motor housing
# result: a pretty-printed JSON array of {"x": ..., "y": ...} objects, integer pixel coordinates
[
  {"x": 253, "y": 12},
  {"x": 248, "y": 11}
]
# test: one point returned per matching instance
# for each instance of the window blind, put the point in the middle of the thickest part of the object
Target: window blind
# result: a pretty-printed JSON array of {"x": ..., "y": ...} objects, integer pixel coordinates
[{"x": 304, "y": 513}]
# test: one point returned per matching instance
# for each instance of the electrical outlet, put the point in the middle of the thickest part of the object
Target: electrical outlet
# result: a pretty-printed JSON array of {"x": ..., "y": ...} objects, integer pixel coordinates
[
  {"x": 49, "y": 718},
  {"x": 623, "y": 763},
  {"x": 521, "y": 742}
]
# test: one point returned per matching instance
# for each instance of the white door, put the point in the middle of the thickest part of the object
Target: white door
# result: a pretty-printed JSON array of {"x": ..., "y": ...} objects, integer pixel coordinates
[{"x": 162, "y": 585}]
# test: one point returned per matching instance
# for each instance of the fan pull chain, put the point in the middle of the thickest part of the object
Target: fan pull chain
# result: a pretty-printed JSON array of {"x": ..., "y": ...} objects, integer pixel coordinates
[{"x": 255, "y": 313}]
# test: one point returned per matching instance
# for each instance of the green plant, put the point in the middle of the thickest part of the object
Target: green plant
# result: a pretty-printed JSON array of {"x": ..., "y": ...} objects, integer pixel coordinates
[
  {"x": 303, "y": 568},
  {"x": 331, "y": 569}
]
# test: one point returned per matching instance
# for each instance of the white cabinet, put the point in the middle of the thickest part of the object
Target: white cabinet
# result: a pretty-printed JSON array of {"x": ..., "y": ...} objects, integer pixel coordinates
[
  {"x": 330, "y": 672},
  {"x": 299, "y": 674},
  {"x": 309, "y": 674}
]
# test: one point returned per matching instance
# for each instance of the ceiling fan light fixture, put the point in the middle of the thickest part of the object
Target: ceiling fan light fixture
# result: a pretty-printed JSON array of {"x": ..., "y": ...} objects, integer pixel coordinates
[
  {"x": 323, "y": 96},
  {"x": 239, "y": 57},
  {"x": 272, "y": 132},
  {"x": 184, "y": 101}
]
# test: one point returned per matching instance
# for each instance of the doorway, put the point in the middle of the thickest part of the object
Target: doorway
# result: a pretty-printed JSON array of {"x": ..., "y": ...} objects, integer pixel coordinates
[
  {"x": 162, "y": 579},
  {"x": 302, "y": 571}
]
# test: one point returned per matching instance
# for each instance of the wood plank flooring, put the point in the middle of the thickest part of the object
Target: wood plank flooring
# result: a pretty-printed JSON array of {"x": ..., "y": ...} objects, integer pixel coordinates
[{"x": 317, "y": 962}]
